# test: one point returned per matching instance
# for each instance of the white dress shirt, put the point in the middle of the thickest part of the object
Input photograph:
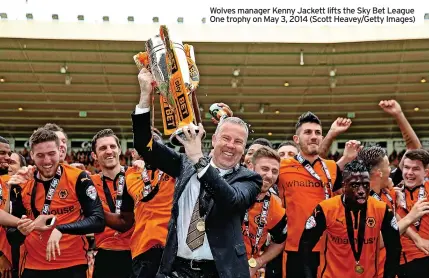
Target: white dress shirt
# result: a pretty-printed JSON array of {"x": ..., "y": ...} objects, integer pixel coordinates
[{"x": 186, "y": 204}]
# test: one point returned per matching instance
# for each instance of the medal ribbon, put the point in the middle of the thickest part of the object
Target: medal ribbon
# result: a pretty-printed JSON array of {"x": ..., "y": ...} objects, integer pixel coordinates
[
  {"x": 261, "y": 224},
  {"x": 49, "y": 195},
  {"x": 385, "y": 192},
  {"x": 421, "y": 196},
  {"x": 148, "y": 188},
  {"x": 361, "y": 232},
  {"x": 310, "y": 170},
  {"x": 120, "y": 191}
]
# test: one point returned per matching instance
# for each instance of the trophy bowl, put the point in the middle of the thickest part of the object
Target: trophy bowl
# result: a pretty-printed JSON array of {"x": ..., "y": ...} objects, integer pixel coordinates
[{"x": 179, "y": 132}]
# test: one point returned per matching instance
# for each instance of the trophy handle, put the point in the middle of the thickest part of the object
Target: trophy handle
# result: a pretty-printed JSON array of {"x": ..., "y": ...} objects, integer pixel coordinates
[{"x": 196, "y": 108}]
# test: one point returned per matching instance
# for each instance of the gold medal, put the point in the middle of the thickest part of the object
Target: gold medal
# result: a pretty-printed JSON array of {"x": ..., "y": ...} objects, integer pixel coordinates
[
  {"x": 252, "y": 262},
  {"x": 201, "y": 226},
  {"x": 359, "y": 269}
]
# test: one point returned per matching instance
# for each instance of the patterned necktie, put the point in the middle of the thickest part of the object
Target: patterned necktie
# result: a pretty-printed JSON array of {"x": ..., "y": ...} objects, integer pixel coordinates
[{"x": 195, "y": 238}]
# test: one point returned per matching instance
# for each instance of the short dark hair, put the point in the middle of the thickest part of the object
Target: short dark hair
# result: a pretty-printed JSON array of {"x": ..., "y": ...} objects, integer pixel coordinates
[
  {"x": 418, "y": 154},
  {"x": 265, "y": 152},
  {"x": 103, "y": 133},
  {"x": 355, "y": 166},
  {"x": 42, "y": 135},
  {"x": 288, "y": 143},
  {"x": 372, "y": 156},
  {"x": 4, "y": 140},
  {"x": 307, "y": 117},
  {"x": 22, "y": 161},
  {"x": 262, "y": 141},
  {"x": 55, "y": 128}
]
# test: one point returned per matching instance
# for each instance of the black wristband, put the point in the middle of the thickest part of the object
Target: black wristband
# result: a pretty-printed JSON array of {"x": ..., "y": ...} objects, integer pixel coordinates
[{"x": 202, "y": 163}]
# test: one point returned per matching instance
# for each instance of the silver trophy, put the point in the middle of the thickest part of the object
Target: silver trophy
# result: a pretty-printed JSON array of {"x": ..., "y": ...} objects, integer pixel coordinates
[
  {"x": 155, "y": 48},
  {"x": 158, "y": 54}
]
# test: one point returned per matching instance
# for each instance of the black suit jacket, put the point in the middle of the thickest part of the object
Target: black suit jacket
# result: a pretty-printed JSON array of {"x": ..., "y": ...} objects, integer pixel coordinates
[{"x": 233, "y": 194}]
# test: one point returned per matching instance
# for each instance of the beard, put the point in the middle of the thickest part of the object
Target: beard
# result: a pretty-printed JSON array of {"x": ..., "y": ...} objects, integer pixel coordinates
[
  {"x": 4, "y": 171},
  {"x": 306, "y": 149}
]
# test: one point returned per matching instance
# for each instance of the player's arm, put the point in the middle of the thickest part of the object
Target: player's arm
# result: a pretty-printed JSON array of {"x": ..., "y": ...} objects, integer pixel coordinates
[
  {"x": 313, "y": 230},
  {"x": 123, "y": 221},
  {"x": 393, "y": 108},
  {"x": 422, "y": 244},
  {"x": 392, "y": 242},
  {"x": 93, "y": 221},
  {"x": 278, "y": 240},
  {"x": 420, "y": 208},
  {"x": 351, "y": 151},
  {"x": 14, "y": 236},
  {"x": 340, "y": 125},
  {"x": 7, "y": 219}
]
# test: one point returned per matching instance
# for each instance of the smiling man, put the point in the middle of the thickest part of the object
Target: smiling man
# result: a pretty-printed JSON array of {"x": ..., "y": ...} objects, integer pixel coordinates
[
  {"x": 305, "y": 180},
  {"x": 62, "y": 136},
  {"x": 63, "y": 191},
  {"x": 414, "y": 261},
  {"x": 211, "y": 194},
  {"x": 266, "y": 215},
  {"x": 353, "y": 222},
  {"x": 113, "y": 244},
  {"x": 5, "y": 154},
  {"x": 376, "y": 159}
]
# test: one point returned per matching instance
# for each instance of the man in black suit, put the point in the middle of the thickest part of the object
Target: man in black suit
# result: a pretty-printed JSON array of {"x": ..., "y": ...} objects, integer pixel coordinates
[{"x": 210, "y": 198}]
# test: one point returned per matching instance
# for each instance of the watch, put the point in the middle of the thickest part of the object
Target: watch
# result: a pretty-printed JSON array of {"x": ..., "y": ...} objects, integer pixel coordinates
[{"x": 202, "y": 163}]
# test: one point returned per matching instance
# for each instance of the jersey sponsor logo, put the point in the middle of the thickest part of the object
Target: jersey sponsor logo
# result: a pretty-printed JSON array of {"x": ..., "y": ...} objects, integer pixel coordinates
[
  {"x": 63, "y": 193},
  {"x": 394, "y": 223},
  {"x": 311, "y": 223},
  {"x": 306, "y": 183},
  {"x": 370, "y": 222},
  {"x": 340, "y": 240},
  {"x": 91, "y": 192},
  {"x": 65, "y": 210},
  {"x": 57, "y": 211}
]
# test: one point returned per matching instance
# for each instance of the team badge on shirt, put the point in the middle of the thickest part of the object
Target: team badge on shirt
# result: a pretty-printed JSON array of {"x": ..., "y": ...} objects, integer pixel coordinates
[
  {"x": 370, "y": 222},
  {"x": 63, "y": 193},
  {"x": 91, "y": 192},
  {"x": 394, "y": 224},
  {"x": 311, "y": 223}
]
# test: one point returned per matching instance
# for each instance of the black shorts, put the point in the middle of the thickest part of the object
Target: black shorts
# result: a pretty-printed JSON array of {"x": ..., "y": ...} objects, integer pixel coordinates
[
  {"x": 146, "y": 265},
  {"x": 110, "y": 263},
  {"x": 415, "y": 268},
  {"x": 295, "y": 266},
  {"x": 78, "y": 271}
]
